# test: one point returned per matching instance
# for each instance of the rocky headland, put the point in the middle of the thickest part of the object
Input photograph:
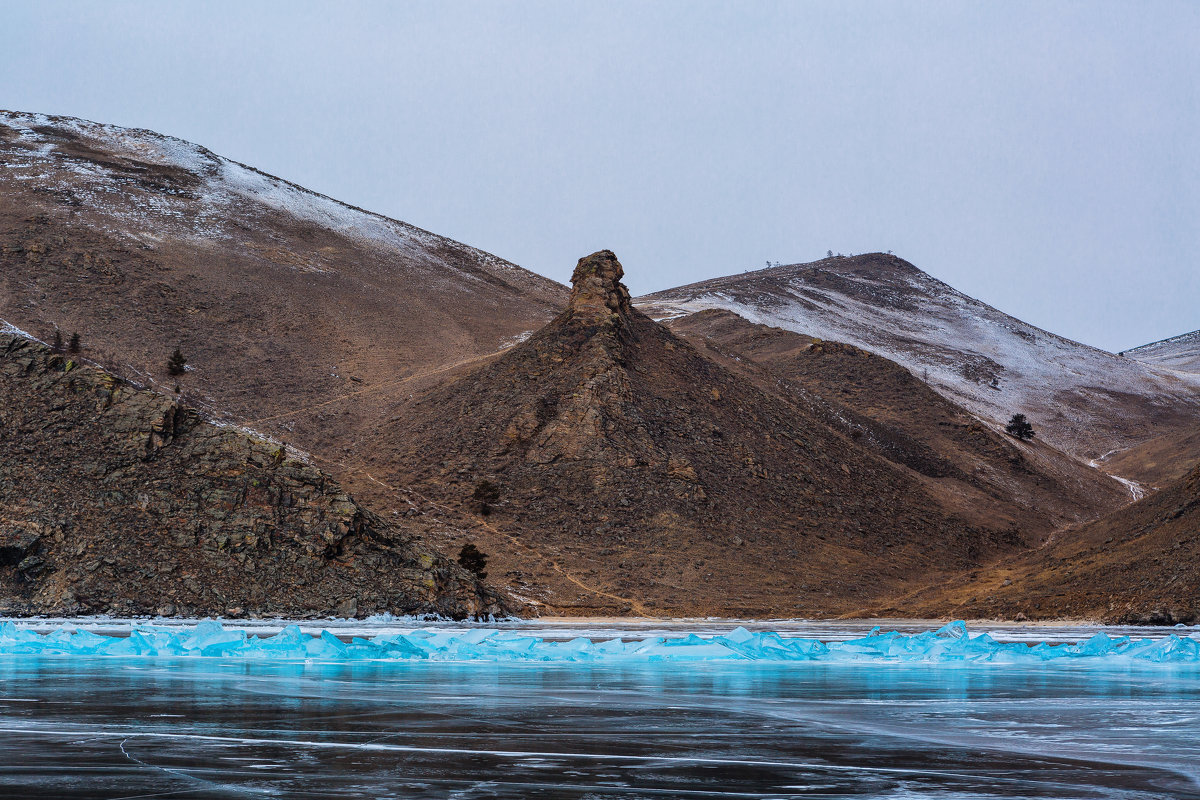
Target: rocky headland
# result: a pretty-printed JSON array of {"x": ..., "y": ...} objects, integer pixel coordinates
[{"x": 118, "y": 500}]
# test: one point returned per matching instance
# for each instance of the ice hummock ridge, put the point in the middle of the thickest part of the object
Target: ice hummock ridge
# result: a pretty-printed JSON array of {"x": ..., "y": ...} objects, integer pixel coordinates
[{"x": 949, "y": 644}]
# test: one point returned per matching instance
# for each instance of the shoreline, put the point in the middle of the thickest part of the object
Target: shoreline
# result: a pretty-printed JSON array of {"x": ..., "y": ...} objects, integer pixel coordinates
[{"x": 567, "y": 628}]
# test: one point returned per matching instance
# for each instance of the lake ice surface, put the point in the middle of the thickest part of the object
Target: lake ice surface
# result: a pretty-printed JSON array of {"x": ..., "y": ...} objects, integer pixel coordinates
[{"x": 100, "y": 726}]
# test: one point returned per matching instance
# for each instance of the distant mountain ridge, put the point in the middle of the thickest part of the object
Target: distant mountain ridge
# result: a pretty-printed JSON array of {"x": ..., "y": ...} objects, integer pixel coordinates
[
  {"x": 1083, "y": 400},
  {"x": 1178, "y": 352}
]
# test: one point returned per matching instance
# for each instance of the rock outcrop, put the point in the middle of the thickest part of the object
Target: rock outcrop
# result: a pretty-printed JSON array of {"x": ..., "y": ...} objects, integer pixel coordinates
[
  {"x": 118, "y": 500},
  {"x": 596, "y": 288}
]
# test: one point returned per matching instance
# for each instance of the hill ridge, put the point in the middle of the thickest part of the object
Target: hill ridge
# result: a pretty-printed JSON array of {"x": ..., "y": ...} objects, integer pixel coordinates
[
  {"x": 280, "y": 298},
  {"x": 1082, "y": 399},
  {"x": 653, "y": 471}
]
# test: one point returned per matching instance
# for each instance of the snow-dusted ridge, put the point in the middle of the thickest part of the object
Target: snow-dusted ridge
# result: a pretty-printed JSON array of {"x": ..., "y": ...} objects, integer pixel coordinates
[
  {"x": 8, "y": 329},
  {"x": 1079, "y": 397},
  {"x": 206, "y": 412},
  {"x": 1180, "y": 353},
  {"x": 197, "y": 194}
]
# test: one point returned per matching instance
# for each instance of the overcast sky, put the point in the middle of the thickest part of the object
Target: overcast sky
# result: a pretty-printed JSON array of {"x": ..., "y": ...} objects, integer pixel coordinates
[{"x": 1043, "y": 157}]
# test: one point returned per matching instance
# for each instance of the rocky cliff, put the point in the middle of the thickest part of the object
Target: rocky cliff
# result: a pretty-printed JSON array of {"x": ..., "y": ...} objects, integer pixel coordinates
[{"x": 119, "y": 500}]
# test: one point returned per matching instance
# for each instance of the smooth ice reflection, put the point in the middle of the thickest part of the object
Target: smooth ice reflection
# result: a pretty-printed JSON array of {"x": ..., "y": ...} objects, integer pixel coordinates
[
  {"x": 863, "y": 720},
  {"x": 99, "y": 727}
]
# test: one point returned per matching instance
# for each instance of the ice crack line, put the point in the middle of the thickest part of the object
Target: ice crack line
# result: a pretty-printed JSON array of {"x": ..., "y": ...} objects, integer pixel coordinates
[
  {"x": 177, "y": 772},
  {"x": 463, "y": 751}
]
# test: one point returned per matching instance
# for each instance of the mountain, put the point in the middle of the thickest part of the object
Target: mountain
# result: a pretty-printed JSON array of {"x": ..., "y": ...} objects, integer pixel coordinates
[
  {"x": 1082, "y": 400},
  {"x": 1180, "y": 353},
  {"x": 815, "y": 439},
  {"x": 1140, "y": 564},
  {"x": 611, "y": 467},
  {"x": 118, "y": 500},
  {"x": 987, "y": 477},
  {"x": 291, "y": 308}
]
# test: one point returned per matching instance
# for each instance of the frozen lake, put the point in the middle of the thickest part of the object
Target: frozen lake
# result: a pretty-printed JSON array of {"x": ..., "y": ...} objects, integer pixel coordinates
[{"x": 76, "y": 726}]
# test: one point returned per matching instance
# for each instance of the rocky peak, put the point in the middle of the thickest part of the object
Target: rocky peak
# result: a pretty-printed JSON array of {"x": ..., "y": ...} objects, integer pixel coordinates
[{"x": 597, "y": 290}]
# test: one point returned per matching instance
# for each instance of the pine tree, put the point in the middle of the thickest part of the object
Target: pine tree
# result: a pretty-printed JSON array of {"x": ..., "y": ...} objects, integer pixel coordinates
[
  {"x": 74, "y": 345},
  {"x": 1019, "y": 427},
  {"x": 176, "y": 364},
  {"x": 472, "y": 560},
  {"x": 56, "y": 345}
]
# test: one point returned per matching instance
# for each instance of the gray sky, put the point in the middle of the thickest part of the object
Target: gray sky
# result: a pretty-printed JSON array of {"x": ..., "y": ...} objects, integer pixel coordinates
[{"x": 1043, "y": 157}]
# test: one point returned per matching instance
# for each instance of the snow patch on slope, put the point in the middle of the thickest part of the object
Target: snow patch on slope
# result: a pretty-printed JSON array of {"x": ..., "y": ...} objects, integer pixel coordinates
[
  {"x": 1136, "y": 490},
  {"x": 8, "y": 329}
]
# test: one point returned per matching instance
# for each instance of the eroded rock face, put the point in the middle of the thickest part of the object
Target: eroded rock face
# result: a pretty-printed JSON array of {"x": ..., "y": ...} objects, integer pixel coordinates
[
  {"x": 597, "y": 290},
  {"x": 118, "y": 500}
]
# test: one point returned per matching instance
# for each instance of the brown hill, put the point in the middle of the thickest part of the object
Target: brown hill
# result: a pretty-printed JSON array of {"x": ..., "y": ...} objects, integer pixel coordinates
[
  {"x": 629, "y": 464},
  {"x": 1172, "y": 453},
  {"x": 973, "y": 469},
  {"x": 281, "y": 299},
  {"x": 1140, "y": 564},
  {"x": 634, "y": 473},
  {"x": 1160, "y": 461},
  {"x": 118, "y": 500},
  {"x": 1084, "y": 401}
]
